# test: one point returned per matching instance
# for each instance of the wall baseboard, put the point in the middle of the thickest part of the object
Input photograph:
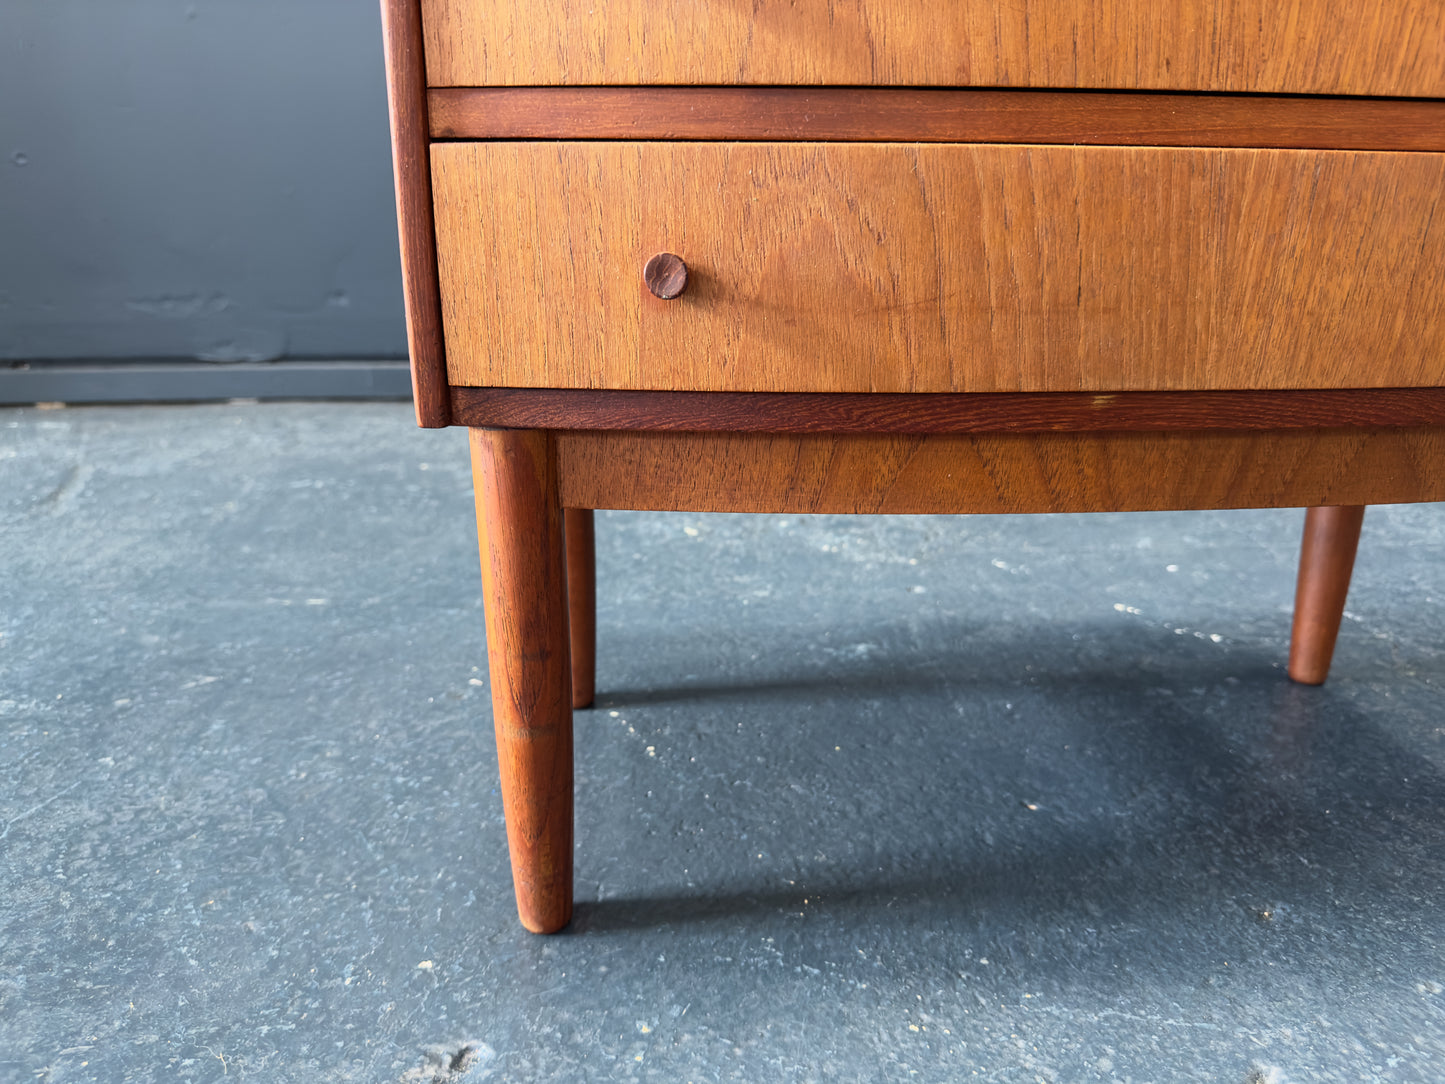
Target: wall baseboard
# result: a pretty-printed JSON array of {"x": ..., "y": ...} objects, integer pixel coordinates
[{"x": 188, "y": 381}]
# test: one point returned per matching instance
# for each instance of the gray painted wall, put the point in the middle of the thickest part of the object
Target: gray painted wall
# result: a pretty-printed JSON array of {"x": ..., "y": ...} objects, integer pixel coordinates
[{"x": 201, "y": 179}]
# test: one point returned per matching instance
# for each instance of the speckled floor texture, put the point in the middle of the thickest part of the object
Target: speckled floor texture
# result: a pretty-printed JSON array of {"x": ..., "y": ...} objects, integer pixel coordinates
[{"x": 872, "y": 799}]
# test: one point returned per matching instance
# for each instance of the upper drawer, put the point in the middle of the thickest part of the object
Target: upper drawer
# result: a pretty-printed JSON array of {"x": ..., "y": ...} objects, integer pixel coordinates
[
  {"x": 940, "y": 268},
  {"x": 1375, "y": 47}
]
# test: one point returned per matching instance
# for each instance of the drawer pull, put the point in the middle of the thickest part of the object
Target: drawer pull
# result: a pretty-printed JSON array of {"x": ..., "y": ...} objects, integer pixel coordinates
[{"x": 665, "y": 275}]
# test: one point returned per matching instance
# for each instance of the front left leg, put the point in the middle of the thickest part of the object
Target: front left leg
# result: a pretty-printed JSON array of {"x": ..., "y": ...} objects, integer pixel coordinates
[{"x": 524, "y": 583}]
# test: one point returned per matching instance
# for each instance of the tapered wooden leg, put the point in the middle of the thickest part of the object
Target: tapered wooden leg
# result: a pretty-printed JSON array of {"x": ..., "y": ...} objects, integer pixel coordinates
[
  {"x": 1327, "y": 557},
  {"x": 582, "y": 603},
  {"x": 524, "y": 585}
]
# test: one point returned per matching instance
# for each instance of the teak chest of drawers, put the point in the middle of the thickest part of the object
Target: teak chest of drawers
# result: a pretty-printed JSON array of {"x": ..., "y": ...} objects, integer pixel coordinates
[{"x": 901, "y": 256}]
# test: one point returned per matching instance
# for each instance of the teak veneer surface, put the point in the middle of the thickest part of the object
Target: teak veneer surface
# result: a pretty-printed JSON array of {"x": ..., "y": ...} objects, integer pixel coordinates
[
  {"x": 848, "y": 267},
  {"x": 1361, "y": 47},
  {"x": 1048, "y": 472}
]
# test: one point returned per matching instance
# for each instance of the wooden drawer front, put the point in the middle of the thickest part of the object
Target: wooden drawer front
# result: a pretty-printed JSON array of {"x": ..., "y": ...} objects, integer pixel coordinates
[
  {"x": 1279, "y": 46},
  {"x": 938, "y": 268}
]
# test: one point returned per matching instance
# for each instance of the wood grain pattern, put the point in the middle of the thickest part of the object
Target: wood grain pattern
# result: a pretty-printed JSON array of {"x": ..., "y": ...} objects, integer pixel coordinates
[
  {"x": 582, "y": 602},
  {"x": 1361, "y": 47},
  {"x": 940, "y": 268},
  {"x": 519, "y": 523},
  {"x": 406, "y": 96},
  {"x": 997, "y": 412},
  {"x": 1057, "y": 472},
  {"x": 885, "y": 115},
  {"x": 1327, "y": 558}
]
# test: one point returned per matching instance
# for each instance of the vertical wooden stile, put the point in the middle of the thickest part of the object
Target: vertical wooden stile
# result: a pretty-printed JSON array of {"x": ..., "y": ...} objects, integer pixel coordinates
[{"x": 406, "y": 94}]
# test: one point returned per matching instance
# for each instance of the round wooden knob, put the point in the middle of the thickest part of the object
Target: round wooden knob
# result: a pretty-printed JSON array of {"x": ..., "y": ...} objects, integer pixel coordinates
[{"x": 665, "y": 275}]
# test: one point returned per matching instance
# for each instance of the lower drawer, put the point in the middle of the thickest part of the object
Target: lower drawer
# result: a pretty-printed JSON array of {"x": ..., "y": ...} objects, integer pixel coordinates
[{"x": 938, "y": 268}]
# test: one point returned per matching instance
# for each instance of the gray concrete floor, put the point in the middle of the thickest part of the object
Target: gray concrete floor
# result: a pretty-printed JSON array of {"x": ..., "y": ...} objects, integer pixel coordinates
[{"x": 936, "y": 799}]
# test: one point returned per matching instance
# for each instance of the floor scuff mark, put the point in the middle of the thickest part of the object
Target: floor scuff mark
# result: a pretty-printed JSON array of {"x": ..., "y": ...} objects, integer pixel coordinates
[{"x": 451, "y": 1063}]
